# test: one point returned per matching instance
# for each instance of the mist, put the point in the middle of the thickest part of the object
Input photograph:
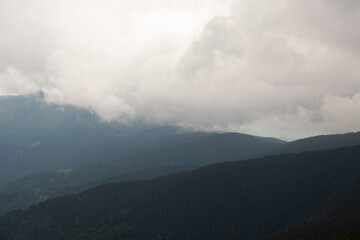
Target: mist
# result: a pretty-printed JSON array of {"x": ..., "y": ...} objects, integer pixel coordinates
[{"x": 287, "y": 69}]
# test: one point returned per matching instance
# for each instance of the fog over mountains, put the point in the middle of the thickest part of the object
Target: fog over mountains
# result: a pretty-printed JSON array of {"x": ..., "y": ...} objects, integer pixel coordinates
[
  {"x": 287, "y": 69},
  {"x": 179, "y": 119},
  {"x": 49, "y": 150}
]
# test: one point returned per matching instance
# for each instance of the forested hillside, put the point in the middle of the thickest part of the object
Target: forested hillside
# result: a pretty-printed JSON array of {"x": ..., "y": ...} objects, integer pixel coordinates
[
  {"x": 171, "y": 154},
  {"x": 256, "y": 196},
  {"x": 337, "y": 215}
]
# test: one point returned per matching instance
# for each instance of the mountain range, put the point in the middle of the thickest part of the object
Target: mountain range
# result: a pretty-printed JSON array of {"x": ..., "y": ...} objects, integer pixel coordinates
[
  {"x": 256, "y": 197},
  {"x": 96, "y": 180},
  {"x": 174, "y": 153}
]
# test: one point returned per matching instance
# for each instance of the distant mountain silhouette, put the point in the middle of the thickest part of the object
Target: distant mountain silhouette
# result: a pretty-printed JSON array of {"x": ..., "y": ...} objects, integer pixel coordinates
[
  {"x": 37, "y": 137},
  {"x": 319, "y": 143}
]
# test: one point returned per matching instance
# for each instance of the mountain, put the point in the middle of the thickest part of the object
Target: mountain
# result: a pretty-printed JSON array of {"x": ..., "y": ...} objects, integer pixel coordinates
[
  {"x": 336, "y": 216},
  {"x": 170, "y": 153},
  {"x": 175, "y": 153},
  {"x": 196, "y": 149},
  {"x": 37, "y": 137},
  {"x": 319, "y": 143},
  {"x": 256, "y": 197}
]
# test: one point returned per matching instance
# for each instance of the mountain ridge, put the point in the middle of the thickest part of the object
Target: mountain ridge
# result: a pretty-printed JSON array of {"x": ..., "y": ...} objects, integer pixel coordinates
[{"x": 256, "y": 196}]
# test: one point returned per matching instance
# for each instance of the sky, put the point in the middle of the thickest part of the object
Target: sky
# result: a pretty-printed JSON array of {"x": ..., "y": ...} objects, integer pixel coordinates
[{"x": 282, "y": 68}]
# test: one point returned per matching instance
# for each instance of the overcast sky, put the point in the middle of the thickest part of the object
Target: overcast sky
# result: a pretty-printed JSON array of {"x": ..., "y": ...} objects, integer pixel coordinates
[{"x": 283, "y": 68}]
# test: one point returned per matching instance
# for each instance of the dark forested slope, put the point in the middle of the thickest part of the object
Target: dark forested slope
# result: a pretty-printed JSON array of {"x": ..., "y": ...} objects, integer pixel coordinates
[
  {"x": 337, "y": 215},
  {"x": 256, "y": 196}
]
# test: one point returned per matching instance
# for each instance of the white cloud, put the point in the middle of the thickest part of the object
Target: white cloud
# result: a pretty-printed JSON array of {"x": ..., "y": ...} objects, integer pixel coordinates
[
  {"x": 286, "y": 68},
  {"x": 341, "y": 113},
  {"x": 13, "y": 81}
]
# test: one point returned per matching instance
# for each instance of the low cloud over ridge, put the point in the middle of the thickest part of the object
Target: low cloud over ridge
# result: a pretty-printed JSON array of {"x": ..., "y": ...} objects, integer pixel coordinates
[{"x": 289, "y": 68}]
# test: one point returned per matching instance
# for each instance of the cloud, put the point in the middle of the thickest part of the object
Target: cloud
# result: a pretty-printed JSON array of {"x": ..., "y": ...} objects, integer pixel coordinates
[
  {"x": 341, "y": 113},
  {"x": 13, "y": 81},
  {"x": 289, "y": 68}
]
